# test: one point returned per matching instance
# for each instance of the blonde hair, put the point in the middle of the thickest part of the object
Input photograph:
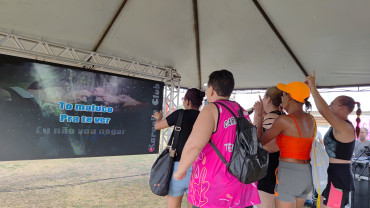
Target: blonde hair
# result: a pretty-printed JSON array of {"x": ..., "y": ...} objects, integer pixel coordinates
[{"x": 275, "y": 95}]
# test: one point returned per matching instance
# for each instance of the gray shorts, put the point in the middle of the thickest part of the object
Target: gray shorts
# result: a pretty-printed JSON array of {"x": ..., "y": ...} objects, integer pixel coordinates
[{"x": 293, "y": 181}]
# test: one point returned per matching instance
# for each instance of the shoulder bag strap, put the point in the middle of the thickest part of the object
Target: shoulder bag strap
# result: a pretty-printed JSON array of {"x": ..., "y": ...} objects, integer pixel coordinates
[
  {"x": 170, "y": 140},
  {"x": 176, "y": 134},
  {"x": 181, "y": 112}
]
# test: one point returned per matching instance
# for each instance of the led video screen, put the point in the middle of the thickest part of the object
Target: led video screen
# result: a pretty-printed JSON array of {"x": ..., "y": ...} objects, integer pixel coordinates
[{"x": 56, "y": 111}]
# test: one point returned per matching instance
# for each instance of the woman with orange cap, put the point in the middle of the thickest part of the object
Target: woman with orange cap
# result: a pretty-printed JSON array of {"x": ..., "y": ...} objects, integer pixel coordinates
[
  {"x": 294, "y": 135},
  {"x": 339, "y": 143}
]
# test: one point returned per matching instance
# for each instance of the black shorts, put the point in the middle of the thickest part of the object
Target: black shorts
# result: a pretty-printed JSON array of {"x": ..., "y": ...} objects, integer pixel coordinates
[
  {"x": 267, "y": 183},
  {"x": 340, "y": 175}
]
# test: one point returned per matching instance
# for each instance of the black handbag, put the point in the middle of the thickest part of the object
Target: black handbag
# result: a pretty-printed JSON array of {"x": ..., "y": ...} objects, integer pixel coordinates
[{"x": 161, "y": 173}]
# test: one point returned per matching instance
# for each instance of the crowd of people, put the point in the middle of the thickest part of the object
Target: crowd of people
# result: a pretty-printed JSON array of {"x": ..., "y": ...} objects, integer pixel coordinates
[{"x": 286, "y": 130}]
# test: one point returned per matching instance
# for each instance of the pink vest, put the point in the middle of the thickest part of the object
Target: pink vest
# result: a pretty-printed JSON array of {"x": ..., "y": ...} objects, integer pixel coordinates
[{"x": 211, "y": 185}]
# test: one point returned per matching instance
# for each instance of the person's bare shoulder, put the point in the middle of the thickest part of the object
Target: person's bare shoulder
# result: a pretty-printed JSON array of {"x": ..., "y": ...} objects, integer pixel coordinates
[
  {"x": 210, "y": 108},
  {"x": 284, "y": 118}
]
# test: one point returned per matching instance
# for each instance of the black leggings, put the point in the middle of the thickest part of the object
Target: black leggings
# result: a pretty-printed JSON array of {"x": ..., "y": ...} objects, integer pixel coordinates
[{"x": 340, "y": 175}]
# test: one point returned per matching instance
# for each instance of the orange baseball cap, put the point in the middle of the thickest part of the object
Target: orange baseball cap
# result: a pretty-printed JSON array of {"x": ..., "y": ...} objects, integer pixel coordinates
[{"x": 299, "y": 91}]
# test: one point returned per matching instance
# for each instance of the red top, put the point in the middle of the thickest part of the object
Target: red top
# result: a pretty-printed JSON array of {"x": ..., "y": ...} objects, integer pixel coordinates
[{"x": 293, "y": 147}]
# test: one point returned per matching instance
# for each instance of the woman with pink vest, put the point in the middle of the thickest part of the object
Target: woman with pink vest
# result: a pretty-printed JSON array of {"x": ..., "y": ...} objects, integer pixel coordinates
[{"x": 211, "y": 185}]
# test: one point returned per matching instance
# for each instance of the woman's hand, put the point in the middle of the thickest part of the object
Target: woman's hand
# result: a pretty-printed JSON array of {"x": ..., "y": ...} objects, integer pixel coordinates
[
  {"x": 258, "y": 115},
  {"x": 158, "y": 115},
  {"x": 179, "y": 175},
  {"x": 258, "y": 108},
  {"x": 311, "y": 81}
]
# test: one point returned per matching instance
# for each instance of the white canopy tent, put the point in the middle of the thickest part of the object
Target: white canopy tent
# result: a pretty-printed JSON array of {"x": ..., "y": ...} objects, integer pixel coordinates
[{"x": 196, "y": 37}]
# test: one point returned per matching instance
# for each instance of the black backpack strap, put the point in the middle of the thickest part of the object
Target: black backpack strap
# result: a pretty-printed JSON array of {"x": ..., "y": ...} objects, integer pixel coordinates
[
  {"x": 176, "y": 133},
  {"x": 240, "y": 111},
  {"x": 241, "y": 114},
  {"x": 218, "y": 153},
  {"x": 210, "y": 141}
]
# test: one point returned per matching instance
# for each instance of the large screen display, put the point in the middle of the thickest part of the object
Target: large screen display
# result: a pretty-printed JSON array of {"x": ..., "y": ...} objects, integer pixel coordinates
[{"x": 56, "y": 111}]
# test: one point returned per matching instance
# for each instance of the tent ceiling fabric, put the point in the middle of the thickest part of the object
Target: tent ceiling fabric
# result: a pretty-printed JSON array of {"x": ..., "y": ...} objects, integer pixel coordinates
[
  {"x": 331, "y": 37},
  {"x": 76, "y": 23}
]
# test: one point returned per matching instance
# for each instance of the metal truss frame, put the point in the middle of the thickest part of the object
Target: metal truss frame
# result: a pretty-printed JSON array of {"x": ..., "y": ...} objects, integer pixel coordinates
[
  {"x": 170, "y": 104},
  {"x": 41, "y": 50},
  {"x": 25, "y": 47}
]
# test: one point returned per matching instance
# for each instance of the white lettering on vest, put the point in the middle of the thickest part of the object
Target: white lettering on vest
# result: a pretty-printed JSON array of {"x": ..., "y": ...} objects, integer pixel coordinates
[
  {"x": 229, "y": 147},
  {"x": 229, "y": 122}
]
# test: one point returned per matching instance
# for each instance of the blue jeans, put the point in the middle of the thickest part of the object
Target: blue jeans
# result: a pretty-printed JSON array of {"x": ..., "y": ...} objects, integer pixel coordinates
[{"x": 178, "y": 188}]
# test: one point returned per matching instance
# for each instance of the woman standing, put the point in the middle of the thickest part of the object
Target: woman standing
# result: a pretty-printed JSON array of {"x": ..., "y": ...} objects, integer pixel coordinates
[
  {"x": 192, "y": 101},
  {"x": 339, "y": 143},
  {"x": 211, "y": 185},
  {"x": 271, "y": 102},
  {"x": 294, "y": 135}
]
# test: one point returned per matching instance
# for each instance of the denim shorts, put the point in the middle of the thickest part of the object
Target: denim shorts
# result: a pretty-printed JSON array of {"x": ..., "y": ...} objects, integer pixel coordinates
[{"x": 178, "y": 188}]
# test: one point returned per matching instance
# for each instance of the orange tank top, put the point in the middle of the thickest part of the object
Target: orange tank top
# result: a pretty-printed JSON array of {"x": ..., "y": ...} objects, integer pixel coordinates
[{"x": 293, "y": 147}]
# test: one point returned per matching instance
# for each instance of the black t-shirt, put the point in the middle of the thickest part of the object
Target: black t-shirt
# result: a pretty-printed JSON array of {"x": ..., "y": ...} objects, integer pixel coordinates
[{"x": 188, "y": 121}]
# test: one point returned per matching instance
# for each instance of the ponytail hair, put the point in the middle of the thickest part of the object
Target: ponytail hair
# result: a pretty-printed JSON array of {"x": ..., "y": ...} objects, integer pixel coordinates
[
  {"x": 350, "y": 103},
  {"x": 358, "y": 120},
  {"x": 307, "y": 104}
]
